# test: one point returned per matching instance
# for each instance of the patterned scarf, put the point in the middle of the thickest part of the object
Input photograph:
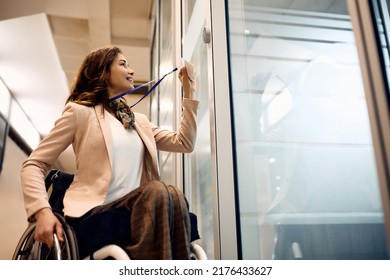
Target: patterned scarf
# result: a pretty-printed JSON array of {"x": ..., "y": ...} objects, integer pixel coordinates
[{"x": 123, "y": 112}]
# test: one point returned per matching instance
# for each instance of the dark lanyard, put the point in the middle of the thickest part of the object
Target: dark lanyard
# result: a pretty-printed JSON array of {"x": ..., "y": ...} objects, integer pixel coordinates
[{"x": 136, "y": 88}]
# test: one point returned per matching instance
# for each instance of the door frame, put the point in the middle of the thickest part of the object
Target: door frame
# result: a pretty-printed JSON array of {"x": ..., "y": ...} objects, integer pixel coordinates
[
  {"x": 376, "y": 90},
  {"x": 222, "y": 127}
]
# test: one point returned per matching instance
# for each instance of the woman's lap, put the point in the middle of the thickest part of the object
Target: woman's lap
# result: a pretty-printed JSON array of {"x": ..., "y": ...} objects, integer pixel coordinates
[{"x": 151, "y": 222}]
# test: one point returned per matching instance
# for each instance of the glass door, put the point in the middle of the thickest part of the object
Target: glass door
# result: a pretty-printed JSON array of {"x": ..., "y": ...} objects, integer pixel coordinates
[
  {"x": 307, "y": 178},
  {"x": 199, "y": 175}
]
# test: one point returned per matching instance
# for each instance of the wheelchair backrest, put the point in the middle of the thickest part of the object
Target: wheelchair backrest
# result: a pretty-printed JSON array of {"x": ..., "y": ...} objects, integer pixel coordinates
[{"x": 57, "y": 182}]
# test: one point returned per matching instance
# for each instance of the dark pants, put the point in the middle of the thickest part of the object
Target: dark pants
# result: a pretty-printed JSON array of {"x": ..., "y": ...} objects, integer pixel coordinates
[{"x": 93, "y": 231}]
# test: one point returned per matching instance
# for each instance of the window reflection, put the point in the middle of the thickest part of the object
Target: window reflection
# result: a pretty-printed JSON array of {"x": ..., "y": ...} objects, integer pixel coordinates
[
  {"x": 305, "y": 163},
  {"x": 166, "y": 98}
]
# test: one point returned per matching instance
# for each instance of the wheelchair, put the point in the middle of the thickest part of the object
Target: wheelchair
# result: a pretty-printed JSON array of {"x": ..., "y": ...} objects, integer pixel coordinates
[{"x": 28, "y": 249}]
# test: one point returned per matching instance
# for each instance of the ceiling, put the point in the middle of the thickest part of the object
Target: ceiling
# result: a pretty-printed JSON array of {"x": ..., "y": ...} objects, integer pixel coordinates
[{"x": 44, "y": 42}]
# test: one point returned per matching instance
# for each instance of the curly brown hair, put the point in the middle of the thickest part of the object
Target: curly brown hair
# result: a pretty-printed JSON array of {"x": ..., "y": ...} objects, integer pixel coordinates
[{"x": 91, "y": 83}]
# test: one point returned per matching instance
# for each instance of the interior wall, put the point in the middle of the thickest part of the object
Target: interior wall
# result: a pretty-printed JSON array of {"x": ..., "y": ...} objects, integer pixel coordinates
[{"x": 13, "y": 219}]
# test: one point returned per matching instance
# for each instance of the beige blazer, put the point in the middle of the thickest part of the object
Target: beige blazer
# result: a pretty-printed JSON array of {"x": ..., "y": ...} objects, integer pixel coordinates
[{"x": 89, "y": 132}]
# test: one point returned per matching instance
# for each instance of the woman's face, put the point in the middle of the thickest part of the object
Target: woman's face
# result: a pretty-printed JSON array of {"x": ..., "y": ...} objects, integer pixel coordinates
[{"x": 121, "y": 76}]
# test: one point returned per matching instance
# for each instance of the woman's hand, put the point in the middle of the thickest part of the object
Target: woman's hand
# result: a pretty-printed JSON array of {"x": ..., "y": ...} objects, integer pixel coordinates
[
  {"x": 46, "y": 225},
  {"x": 189, "y": 86}
]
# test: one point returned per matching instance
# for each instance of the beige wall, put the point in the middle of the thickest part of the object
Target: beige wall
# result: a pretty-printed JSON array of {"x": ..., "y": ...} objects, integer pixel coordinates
[{"x": 12, "y": 215}]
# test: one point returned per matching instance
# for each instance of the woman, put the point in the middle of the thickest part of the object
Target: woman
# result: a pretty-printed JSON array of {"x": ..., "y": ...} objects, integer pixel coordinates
[{"x": 117, "y": 178}]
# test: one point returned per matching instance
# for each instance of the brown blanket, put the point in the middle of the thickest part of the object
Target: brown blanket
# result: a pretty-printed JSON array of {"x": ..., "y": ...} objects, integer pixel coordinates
[{"x": 159, "y": 222}]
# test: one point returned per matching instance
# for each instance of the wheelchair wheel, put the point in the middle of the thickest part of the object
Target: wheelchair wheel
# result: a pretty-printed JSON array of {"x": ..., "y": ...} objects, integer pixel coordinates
[
  {"x": 25, "y": 246},
  {"x": 29, "y": 249}
]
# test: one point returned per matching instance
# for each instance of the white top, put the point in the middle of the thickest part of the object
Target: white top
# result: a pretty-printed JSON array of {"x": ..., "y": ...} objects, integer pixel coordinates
[{"x": 127, "y": 160}]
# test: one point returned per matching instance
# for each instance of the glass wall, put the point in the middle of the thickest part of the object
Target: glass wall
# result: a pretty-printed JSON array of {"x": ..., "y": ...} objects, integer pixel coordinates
[
  {"x": 165, "y": 101},
  {"x": 306, "y": 171}
]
